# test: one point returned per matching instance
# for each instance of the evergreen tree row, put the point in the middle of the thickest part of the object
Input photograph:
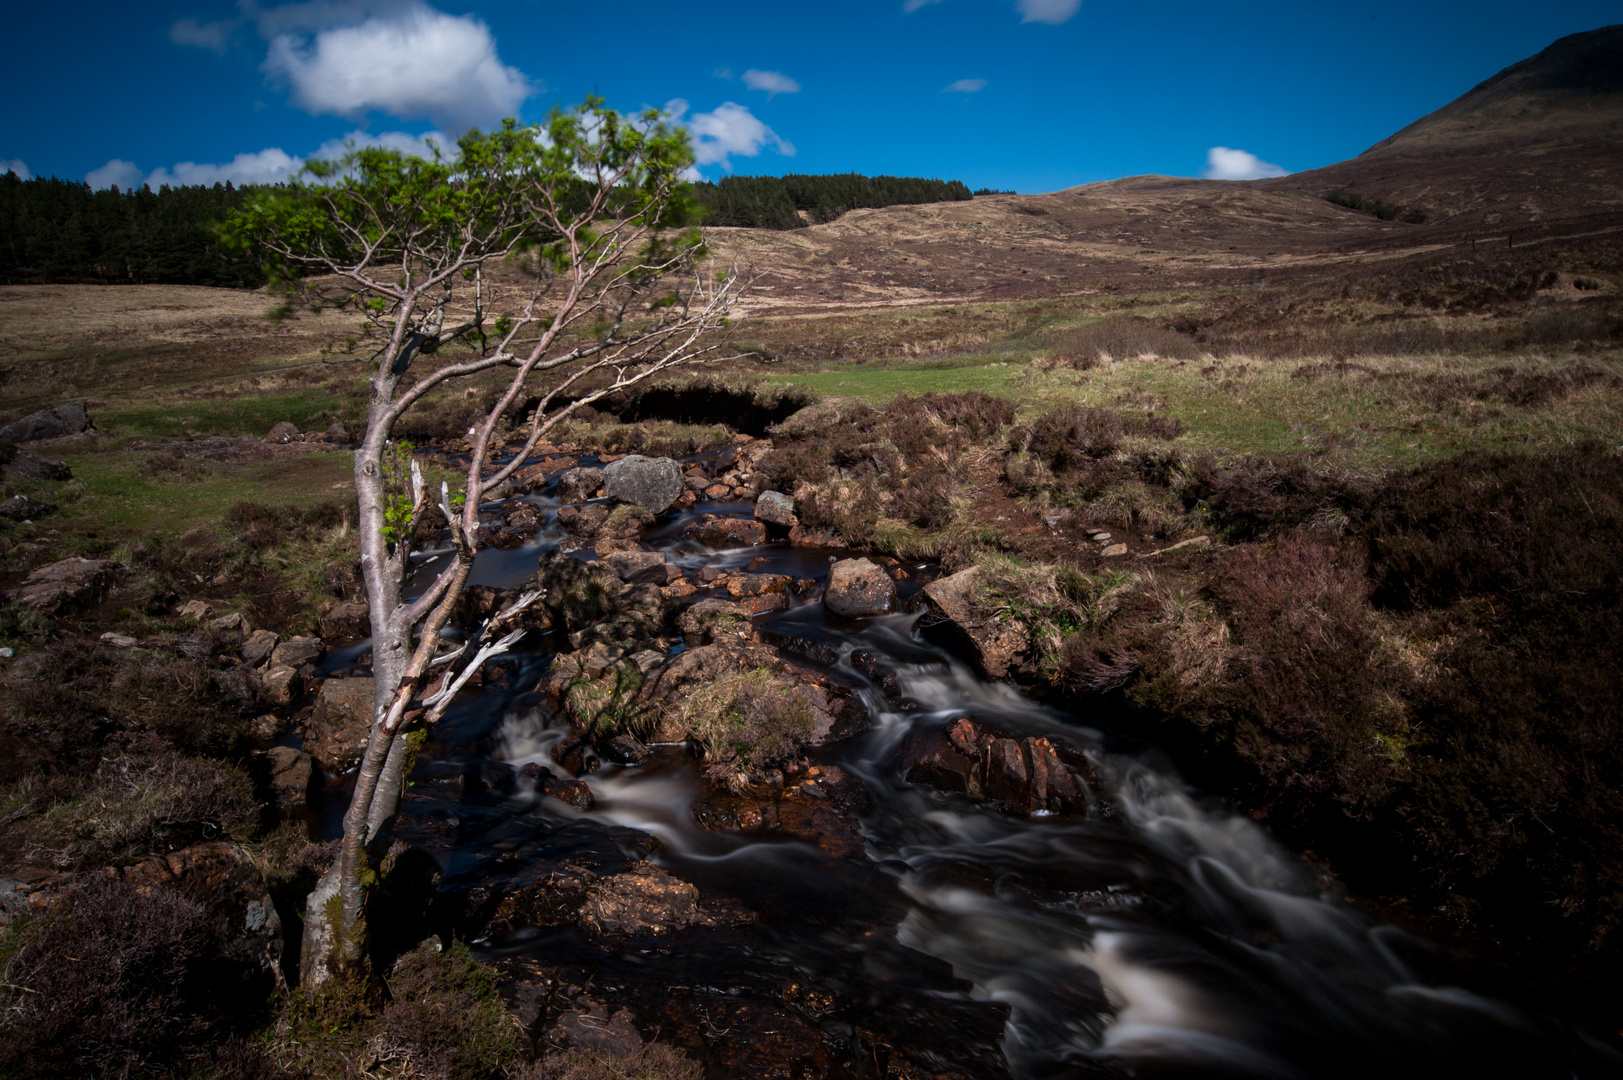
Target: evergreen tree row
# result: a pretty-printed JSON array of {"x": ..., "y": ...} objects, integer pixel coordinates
[
  {"x": 775, "y": 202},
  {"x": 61, "y": 231}
]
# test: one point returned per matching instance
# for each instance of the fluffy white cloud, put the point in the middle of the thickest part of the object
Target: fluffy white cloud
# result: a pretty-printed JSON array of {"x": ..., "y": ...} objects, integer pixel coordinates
[
  {"x": 1052, "y": 12},
  {"x": 966, "y": 86},
  {"x": 271, "y": 166},
  {"x": 16, "y": 165},
  {"x": 1225, "y": 164},
  {"x": 910, "y": 6},
  {"x": 214, "y": 36},
  {"x": 731, "y": 130},
  {"x": 124, "y": 174},
  {"x": 773, "y": 82},
  {"x": 407, "y": 60},
  {"x": 416, "y": 145}
]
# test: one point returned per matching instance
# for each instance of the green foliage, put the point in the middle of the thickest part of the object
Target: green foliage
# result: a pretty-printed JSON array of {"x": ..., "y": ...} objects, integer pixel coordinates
[
  {"x": 1386, "y": 211},
  {"x": 59, "y": 231},
  {"x": 398, "y": 496},
  {"x": 772, "y": 202}
]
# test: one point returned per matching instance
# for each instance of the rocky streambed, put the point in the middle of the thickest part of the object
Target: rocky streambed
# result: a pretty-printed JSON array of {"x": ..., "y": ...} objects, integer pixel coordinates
[{"x": 756, "y": 797}]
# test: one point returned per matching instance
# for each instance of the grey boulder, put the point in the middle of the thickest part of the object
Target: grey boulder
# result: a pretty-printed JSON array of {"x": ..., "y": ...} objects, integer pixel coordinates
[
  {"x": 47, "y": 424},
  {"x": 776, "y": 508},
  {"x": 652, "y": 483},
  {"x": 857, "y": 588}
]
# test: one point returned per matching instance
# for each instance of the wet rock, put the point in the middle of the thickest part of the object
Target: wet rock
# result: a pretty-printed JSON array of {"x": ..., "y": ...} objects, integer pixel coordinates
[
  {"x": 27, "y": 465},
  {"x": 995, "y": 643},
  {"x": 625, "y": 750},
  {"x": 740, "y": 586},
  {"x": 1023, "y": 775},
  {"x": 282, "y": 432},
  {"x": 47, "y": 424},
  {"x": 762, "y": 605},
  {"x": 350, "y": 619},
  {"x": 717, "y": 491},
  {"x": 69, "y": 586},
  {"x": 534, "y": 477},
  {"x": 651, "y": 483},
  {"x": 481, "y": 775},
  {"x": 22, "y": 508},
  {"x": 807, "y": 536},
  {"x": 292, "y": 775},
  {"x": 340, "y": 724},
  {"x": 644, "y": 900},
  {"x": 823, "y": 807},
  {"x": 267, "y": 727},
  {"x": 579, "y": 484},
  {"x": 639, "y": 567},
  {"x": 298, "y": 651},
  {"x": 569, "y": 792},
  {"x": 713, "y": 620},
  {"x": 858, "y": 588},
  {"x": 258, "y": 647},
  {"x": 615, "y": 1036},
  {"x": 743, "y": 1037},
  {"x": 716, "y": 531}
]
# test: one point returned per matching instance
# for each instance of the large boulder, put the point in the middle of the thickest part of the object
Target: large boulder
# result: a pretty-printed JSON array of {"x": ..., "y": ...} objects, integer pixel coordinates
[
  {"x": 858, "y": 588},
  {"x": 47, "y": 424},
  {"x": 652, "y": 483},
  {"x": 994, "y": 642},
  {"x": 579, "y": 484},
  {"x": 336, "y": 733},
  {"x": 67, "y": 586},
  {"x": 1022, "y": 775}
]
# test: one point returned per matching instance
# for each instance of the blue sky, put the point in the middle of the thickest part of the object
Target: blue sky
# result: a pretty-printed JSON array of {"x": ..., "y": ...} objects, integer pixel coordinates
[{"x": 1034, "y": 95}]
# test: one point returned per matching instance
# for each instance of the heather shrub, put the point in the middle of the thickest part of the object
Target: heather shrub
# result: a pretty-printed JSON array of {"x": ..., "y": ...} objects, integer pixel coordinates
[
  {"x": 1125, "y": 338},
  {"x": 444, "y": 1019},
  {"x": 1252, "y": 499},
  {"x": 653, "y": 1062}
]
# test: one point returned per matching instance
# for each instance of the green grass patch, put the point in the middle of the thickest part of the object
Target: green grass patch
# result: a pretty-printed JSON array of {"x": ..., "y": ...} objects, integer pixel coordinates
[{"x": 216, "y": 413}]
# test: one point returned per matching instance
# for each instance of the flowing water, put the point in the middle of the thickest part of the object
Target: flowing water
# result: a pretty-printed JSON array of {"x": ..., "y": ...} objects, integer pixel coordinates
[{"x": 1158, "y": 935}]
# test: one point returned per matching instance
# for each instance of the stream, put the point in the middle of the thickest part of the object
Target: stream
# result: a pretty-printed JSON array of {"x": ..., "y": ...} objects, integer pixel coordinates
[{"x": 1159, "y": 935}]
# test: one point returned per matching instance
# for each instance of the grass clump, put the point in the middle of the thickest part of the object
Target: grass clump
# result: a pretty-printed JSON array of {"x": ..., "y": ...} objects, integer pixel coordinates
[
  {"x": 653, "y": 1062},
  {"x": 746, "y": 724}
]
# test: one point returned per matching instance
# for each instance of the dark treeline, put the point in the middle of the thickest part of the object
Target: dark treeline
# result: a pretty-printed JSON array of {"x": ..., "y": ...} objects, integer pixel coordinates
[
  {"x": 775, "y": 202},
  {"x": 61, "y": 231}
]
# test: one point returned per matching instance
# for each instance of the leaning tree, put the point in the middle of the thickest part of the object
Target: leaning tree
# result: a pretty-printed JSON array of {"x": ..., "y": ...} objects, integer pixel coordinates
[{"x": 590, "y": 214}]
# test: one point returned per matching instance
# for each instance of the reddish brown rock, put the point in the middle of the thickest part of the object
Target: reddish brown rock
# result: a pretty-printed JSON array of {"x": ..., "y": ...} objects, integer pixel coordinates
[
  {"x": 336, "y": 733},
  {"x": 644, "y": 900},
  {"x": 995, "y": 642},
  {"x": 742, "y": 585},
  {"x": 1024, "y": 776},
  {"x": 807, "y": 536},
  {"x": 726, "y": 532}
]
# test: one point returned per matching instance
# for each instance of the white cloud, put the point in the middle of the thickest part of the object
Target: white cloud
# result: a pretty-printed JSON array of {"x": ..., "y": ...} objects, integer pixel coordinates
[
  {"x": 415, "y": 145},
  {"x": 16, "y": 165},
  {"x": 214, "y": 36},
  {"x": 722, "y": 73},
  {"x": 966, "y": 86},
  {"x": 1052, "y": 12},
  {"x": 407, "y": 60},
  {"x": 731, "y": 130},
  {"x": 910, "y": 6},
  {"x": 773, "y": 82},
  {"x": 271, "y": 166},
  {"x": 124, "y": 174},
  {"x": 1225, "y": 164}
]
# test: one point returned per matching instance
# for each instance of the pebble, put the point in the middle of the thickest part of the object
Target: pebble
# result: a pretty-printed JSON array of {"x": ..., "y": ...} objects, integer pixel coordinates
[
  {"x": 1101, "y": 537},
  {"x": 1114, "y": 550}
]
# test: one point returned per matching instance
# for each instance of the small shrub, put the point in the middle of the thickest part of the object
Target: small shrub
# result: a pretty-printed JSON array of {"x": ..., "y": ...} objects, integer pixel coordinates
[{"x": 444, "y": 1018}]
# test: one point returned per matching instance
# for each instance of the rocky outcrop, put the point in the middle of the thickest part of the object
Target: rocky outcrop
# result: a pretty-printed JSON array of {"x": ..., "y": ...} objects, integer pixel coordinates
[
  {"x": 858, "y": 588},
  {"x": 69, "y": 586},
  {"x": 716, "y": 531},
  {"x": 1021, "y": 775},
  {"x": 639, "y": 567},
  {"x": 579, "y": 484},
  {"x": 651, "y": 483},
  {"x": 994, "y": 642},
  {"x": 47, "y": 424},
  {"x": 336, "y": 733},
  {"x": 776, "y": 508},
  {"x": 714, "y": 620}
]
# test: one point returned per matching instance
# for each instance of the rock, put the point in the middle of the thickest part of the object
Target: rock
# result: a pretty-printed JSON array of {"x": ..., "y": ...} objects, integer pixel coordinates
[
  {"x": 340, "y": 724},
  {"x": 350, "y": 619},
  {"x": 639, "y": 567},
  {"x": 27, "y": 465},
  {"x": 824, "y": 807},
  {"x": 776, "y": 508},
  {"x": 765, "y": 603},
  {"x": 858, "y": 588},
  {"x": 713, "y": 620},
  {"x": 1099, "y": 537},
  {"x": 195, "y": 609},
  {"x": 1024, "y": 776},
  {"x": 717, "y": 491},
  {"x": 644, "y": 900},
  {"x": 298, "y": 651},
  {"x": 995, "y": 644},
  {"x": 258, "y": 647},
  {"x": 229, "y": 626},
  {"x": 22, "y": 508},
  {"x": 579, "y": 484},
  {"x": 806, "y": 536},
  {"x": 569, "y": 792},
  {"x": 1114, "y": 550},
  {"x": 740, "y": 586},
  {"x": 651, "y": 483},
  {"x": 68, "y": 586},
  {"x": 625, "y": 750},
  {"x": 715, "y": 531},
  {"x": 282, "y": 432},
  {"x": 267, "y": 727},
  {"x": 613, "y": 1036},
  {"x": 47, "y": 424},
  {"x": 336, "y": 432},
  {"x": 292, "y": 775},
  {"x": 280, "y": 685},
  {"x": 118, "y": 641}
]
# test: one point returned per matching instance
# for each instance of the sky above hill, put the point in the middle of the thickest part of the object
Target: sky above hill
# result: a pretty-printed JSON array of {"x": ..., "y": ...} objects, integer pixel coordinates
[{"x": 1034, "y": 95}]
